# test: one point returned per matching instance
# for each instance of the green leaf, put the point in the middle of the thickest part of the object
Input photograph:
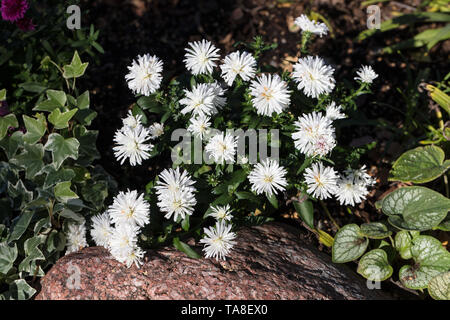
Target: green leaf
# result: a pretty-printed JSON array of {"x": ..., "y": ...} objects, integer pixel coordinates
[
  {"x": 95, "y": 192},
  {"x": 11, "y": 144},
  {"x": 273, "y": 200},
  {"x": 61, "y": 120},
  {"x": 185, "y": 223},
  {"x": 31, "y": 160},
  {"x": 63, "y": 192},
  {"x": 183, "y": 247},
  {"x": 403, "y": 243},
  {"x": 20, "y": 290},
  {"x": 83, "y": 101},
  {"x": 32, "y": 254},
  {"x": 19, "y": 190},
  {"x": 415, "y": 208},
  {"x": 431, "y": 259},
  {"x": 35, "y": 128},
  {"x": 55, "y": 176},
  {"x": 69, "y": 214},
  {"x": 62, "y": 148},
  {"x": 2, "y": 95},
  {"x": 375, "y": 230},
  {"x": 76, "y": 68},
  {"x": 7, "y": 121},
  {"x": 444, "y": 225},
  {"x": 374, "y": 265},
  {"x": 59, "y": 97},
  {"x": 420, "y": 165},
  {"x": 8, "y": 255},
  {"x": 88, "y": 149},
  {"x": 349, "y": 244},
  {"x": 32, "y": 87},
  {"x": 439, "y": 287},
  {"x": 245, "y": 195},
  {"x": 21, "y": 226},
  {"x": 306, "y": 211},
  {"x": 150, "y": 104}
]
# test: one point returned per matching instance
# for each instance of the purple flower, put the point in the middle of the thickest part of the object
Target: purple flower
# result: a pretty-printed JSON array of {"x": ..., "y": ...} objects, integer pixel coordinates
[
  {"x": 13, "y": 10},
  {"x": 26, "y": 24}
]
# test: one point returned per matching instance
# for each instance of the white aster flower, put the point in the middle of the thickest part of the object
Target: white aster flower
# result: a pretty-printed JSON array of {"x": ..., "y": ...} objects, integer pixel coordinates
[
  {"x": 318, "y": 28},
  {"x": 313, "y": 76},
  {"x": 131, "y": 120},
  {"x": 222, "y": 148},
  {"x": 315, "y": 134},
  {"x": 219, "y": 240},
  {"x": 270, "y": 94},
  {"x": 238, "y": 63},
  {"x": 130, "y": 208},
  {"x": 76, "y": 237},
  {"x": 221, "y": 213},
  {"x": 101, "y": 229},
  {"x": 145, "y": 75},
  {"x": 171, "y": 180},
  {"x": 131, "y": 144},
  {"x": 334, "y": 112},
  {"x": 200, "y": 57},
  {"x": 178, "y": 203},
  {"x": 366, "y": 74},
  {"x": 156, "y": 130},
  {"x": 199, "y": 126},
  {"x": 321, "y": 180},
  {"x": 201, "y": 100},
  {"x": 353, "y": 186},
  {"x": 268, "y": 177},
  {"x": 123, "y": 245}
]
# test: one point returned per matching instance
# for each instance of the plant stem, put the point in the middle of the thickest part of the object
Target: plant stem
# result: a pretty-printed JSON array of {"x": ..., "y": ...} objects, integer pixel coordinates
[
  {"x": 324, "y": 206},
  {"x": 446, "y": 185}
]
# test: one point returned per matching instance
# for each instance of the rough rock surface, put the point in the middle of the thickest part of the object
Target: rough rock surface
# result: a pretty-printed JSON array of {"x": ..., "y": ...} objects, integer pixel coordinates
[{"x": 268, "y": 262}]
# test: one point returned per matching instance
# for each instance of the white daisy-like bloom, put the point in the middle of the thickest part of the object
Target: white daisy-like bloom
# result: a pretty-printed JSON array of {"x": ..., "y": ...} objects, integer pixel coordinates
[
  {"x": 270, "y": 94},
  {"x": 199, "y": 126},
  {"x": 123, "y": 245},
  {"x": 353, "y": 186},
  {"x": 131, "y": 144},
  {"x": 177, "y": 204},
  {"x": 219, "y": 240},
  {"x": 366, "y": 74},
  {"x": 145, "y": 75},
  {"x": 222, "y": 148},
  {"x": 101, "y": 229},
  {"x": 76, "y": 237},
  {"x": 201, "y": 100},
  {"x": 313, "y": 76},
  {"x": 314, "y": 135},
  {"x": 221, "y": 213},
  {"x": 268, "y": 177},
  {"x": 318, "y": 28},
  {"x": 156, "y": 130},
  {"x": 171, "y": 180},
  {"x": 241, "y": 64},
  {"x": 321, "y": 181},
  {"x": 129, "y": 208},
  {"x": 200, "y": 57},
  {"x": 175, "y": 192},
  {"x": 131, "y": 120},
  {"x": 334, "y": 112},
  {"x": 219, "y": 100}
]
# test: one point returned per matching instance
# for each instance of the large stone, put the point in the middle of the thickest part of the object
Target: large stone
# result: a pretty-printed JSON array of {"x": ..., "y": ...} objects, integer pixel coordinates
[{"x": 268, "y": 262}]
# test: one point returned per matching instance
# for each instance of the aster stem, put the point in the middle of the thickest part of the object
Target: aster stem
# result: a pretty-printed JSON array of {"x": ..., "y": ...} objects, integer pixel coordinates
[{"x": 324, "y": 206}]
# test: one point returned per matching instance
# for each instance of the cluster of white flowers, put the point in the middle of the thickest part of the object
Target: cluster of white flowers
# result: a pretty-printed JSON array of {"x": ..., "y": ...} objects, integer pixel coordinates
[
  {"x": 76, "y": 237},
  {"x": 118, "y": 228},
  {"x": 350, "y": 188}
]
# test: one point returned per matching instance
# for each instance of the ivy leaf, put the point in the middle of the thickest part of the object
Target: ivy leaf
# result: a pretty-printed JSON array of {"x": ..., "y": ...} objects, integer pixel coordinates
[
  {"x": 55, "y": 176},
  {"x": 439, "y": 287},
  {"x": 431, "y": 259},
  {"x": 35, "y": 128},
  {"x": 55, "y": 99},
  {"x": 420, "y": 165},
  {"x": 21, "y": 225},
  {"x": 374, "y": 265},
  {"x": 11, "y": 144},
  {"x": 306, "y": 211},
  {"x": 61, "y": 120},
  {"x": 8, "y": 255},
  {"x": 83, "y": 100},
  {"x": 375, "y": 230},
  {"x": 95, "y": 192},
  {"x": 62, "y": 148},
  {"x": 20, "y": 290},
  {"x": 76, "y": 68},
  {"x": 349, "y": 244},
  {"x": 415, "y": 208},
  {"x": 19, "y": 190},
  {"x": 31, "y": 160},
  {"x": 69, "y": 214},
  {"x": 63, "y": 193},
  {"x": 7, "y": 121},
  {"x": 183, "y": 247},
  {"x": 32, "y": 254},
  {"x": 88, "y": 149}
]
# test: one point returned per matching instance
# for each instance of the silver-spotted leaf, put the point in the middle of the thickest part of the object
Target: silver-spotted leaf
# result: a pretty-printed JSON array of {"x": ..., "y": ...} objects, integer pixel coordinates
[
  {"x": 374, "y": 265},
  {"x": 349, "y": 244},
  {"x": 375, "y": 230},
  {"x": 439, "y": 287}
]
